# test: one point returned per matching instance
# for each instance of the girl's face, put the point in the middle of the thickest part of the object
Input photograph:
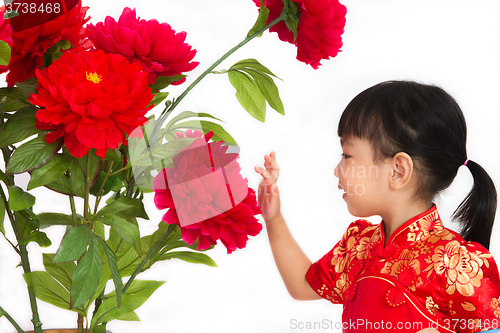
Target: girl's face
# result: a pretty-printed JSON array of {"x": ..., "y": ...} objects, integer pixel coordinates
[{"x": 361, "y": 179}]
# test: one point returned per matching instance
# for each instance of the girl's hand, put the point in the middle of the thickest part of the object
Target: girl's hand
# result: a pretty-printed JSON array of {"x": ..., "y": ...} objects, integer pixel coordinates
[
  {"x": 268, "y": 195},
  {"x": 428, "y": 330}
]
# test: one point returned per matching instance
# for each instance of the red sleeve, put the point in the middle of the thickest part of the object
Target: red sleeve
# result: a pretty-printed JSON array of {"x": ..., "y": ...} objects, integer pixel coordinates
[
  {"x": 328, "y": 276},
  {"x": 473, "y": 295}
]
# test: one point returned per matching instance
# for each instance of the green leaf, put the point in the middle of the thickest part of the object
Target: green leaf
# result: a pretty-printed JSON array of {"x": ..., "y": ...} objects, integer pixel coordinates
[
  {"x": 21, "y": 126},
  {"x": 86, "y": 275},
  {"x": 205, "y": 127},
  {"x": 62, "y": 185},
  {"x": 125, "y": 227},
  {"x": 18, "y": 199},
  {"x": 29, "y": 228},
  {"x": 50, "y": 171},
  {"x": 248, "y": 94},
  {"x": 113, "y": 182},
  {"x": 62, "y": 44},
  {"x": 113, "y": 155},
  {"x": 261, "y": 75},
  {"x": 135, "y": 296},
  {"x": 269, "y": 89},
  {"x": 50, "y": 219},
  {"x": 164, "y": 81},
  {"x": 159, "y": 97},
  {"x": 146, "y": 157},
  {"x": 113, "y": 267},
  {"x": 2, "y": 216},
  {"x": 47, "y": 289},
  {"x": 73, "y": 244},
  {"x": 128, "y": 259},
  {"x": 32, "y": 154},
  {"x": 189, "y": 256},
  {"x": 11, "y": 92},
  {"x": 4, "y": 53},
  {"x": 187, "y": 114},
  {"x": 252, "y": 64},
  {"x": 3, "y": 176},
  {"x": 62, "y": 271},
  {"x": 28, "y": 87},
  {"x": 129, "y": 316},
  {"x": 15, "y": 104},
  {"x": 261, "y": 20},
  {"x": 126, "y": 205},
  {"x": 293, "y": 17}
]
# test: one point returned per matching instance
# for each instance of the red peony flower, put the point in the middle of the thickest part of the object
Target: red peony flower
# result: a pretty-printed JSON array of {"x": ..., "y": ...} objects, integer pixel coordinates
[
  {"x": 155, "y": 46},
  {"x": 319, "y": 31},
  {"x": 33, "y": 36},
  {"x": 5, "y": 33},
  {"x": 207, "y": 196},
  {"x": 92, "y": 99}
]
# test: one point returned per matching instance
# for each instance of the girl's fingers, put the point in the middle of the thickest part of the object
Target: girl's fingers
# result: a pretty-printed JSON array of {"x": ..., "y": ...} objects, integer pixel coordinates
[
  {"x": 265, "y": 174},
  {"x": 271, "y": 164}
]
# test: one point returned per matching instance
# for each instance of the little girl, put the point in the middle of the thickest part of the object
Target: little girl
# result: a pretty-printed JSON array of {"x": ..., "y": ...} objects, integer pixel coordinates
[{"x": 402, "y": 143}]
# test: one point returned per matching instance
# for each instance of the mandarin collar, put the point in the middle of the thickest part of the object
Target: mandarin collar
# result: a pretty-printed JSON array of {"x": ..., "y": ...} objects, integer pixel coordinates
[{"x": 414, "y": 229}]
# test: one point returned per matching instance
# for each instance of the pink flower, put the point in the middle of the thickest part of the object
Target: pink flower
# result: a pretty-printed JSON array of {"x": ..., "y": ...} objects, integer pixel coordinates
[
  {"x": 207, "y": 196},
  {"x": 319, "y": 31},
  {"x": 155, "y": 46}
]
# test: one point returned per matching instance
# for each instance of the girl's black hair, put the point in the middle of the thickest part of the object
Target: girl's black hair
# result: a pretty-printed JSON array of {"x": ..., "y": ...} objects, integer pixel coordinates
[{"x": 425, "y": 122}]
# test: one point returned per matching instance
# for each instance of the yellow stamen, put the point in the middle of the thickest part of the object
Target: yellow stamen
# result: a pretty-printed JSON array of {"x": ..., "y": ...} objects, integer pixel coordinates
[{"x": 94, "y": 77}]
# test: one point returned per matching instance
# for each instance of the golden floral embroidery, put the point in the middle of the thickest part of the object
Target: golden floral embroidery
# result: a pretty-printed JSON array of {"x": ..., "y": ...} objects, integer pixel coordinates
[
  {"x": 430, "y": 305},
  {"x": 410, "y": 237},
  {"x": 431, "y": 222},
  {"x": 342, "y": 254},
  {"x": 450, "y": 305},
  {"x": 423, "y": 248},
  {"x": 406, "y": 269},
  {"x": 362, "y": 248},
  {"x": 368, "y": 229},
  {"x": 342, "y": 284},
  {"x": 495, "y": 304},
  {"x": 443, "y": 234},
  {"x": 468, "y": 306},
  {"x": 414, "y": 227},
  {"x": 461, "y": 268},
  {"x": 485, "y": 257}
]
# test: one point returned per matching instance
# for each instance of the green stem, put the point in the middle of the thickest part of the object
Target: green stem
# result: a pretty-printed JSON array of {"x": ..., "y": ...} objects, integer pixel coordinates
[
  {"x": 130, "y": 188},
  {"x": 88, "y": 179},
  {"x": 86, "y": 215},
  {"x": 101, "y": 189},
  {"x": 168, "y": 110},
  {"x": 11, "y": 320},
  {"x": 150, "y": 254},
  {"x": 73, "y": 209},
  {"x": 118, "y": 171},
  {"x": 23, "y": 251}
]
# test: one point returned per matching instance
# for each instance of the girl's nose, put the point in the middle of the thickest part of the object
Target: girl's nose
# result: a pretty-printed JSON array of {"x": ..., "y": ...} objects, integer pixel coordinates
[{"x": 336, "y": 170}]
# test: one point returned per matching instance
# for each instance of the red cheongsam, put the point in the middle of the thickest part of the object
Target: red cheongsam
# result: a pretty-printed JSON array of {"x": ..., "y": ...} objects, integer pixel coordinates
[{"x": 426, "y": 276}]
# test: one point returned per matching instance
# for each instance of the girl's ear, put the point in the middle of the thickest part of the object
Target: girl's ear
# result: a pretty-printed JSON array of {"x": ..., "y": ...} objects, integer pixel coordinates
[{"x": 401, "y": 170}]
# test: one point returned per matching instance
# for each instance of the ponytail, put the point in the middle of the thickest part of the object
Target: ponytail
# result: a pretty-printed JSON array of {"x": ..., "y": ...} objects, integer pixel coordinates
[{"x": 476, "y": 213}]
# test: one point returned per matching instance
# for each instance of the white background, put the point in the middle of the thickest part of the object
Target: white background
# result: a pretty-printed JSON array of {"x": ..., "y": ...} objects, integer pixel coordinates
[{"x": 451, "y": 43}]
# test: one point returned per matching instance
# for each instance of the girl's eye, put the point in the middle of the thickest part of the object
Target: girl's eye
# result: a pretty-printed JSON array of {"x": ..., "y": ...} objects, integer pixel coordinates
[{"x": 345, "y": 155}]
